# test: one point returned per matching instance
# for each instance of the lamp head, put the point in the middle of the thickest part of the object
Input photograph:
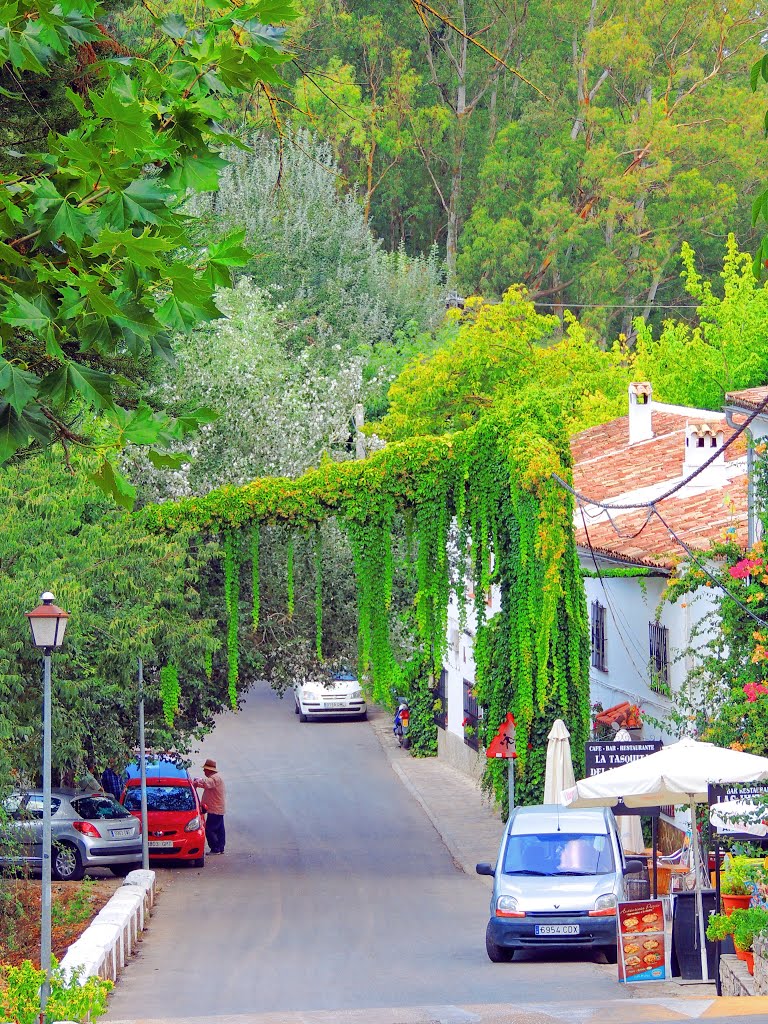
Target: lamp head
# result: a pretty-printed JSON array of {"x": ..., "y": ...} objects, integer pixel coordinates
[{"x": 48, "y": 623}]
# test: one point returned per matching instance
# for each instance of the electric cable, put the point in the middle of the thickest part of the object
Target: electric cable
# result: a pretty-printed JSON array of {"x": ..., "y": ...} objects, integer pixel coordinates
[
  {"x": 678, "y": 486},
  {"x": 700, "y": 565},
  {"x": 640, "y": 654}
]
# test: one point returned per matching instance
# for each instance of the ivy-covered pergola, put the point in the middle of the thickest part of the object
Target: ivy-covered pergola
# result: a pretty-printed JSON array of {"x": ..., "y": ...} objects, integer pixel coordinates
[{"x": 512, "y": 526}]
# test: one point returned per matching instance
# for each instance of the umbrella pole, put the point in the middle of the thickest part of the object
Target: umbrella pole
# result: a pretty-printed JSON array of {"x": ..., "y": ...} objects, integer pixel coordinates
[{"x": 699, "y": 900}]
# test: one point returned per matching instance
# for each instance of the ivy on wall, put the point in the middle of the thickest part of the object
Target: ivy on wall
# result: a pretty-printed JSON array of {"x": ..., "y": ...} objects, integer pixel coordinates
[
  {"x": 513, "y": 527},
  {"x": 232, "y": 601}
]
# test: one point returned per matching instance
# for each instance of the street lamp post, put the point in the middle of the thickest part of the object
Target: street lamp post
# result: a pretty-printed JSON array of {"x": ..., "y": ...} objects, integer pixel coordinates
[{"x": 48, "y": 624}]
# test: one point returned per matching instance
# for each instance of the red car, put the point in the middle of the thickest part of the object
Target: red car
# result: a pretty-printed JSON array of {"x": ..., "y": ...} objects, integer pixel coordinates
[{"x": 175, "y": 823}]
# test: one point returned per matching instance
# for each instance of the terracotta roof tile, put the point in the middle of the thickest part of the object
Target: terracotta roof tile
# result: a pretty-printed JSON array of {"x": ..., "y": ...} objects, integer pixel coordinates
[
  {"x": 750, "y": 398},
  {"x": 607, "y": 467},
  {"x": 700, "y": 520}
]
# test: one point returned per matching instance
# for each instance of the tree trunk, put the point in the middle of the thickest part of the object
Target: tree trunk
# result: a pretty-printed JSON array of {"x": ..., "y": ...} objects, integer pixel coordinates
[{"x": 459, "y": 140}]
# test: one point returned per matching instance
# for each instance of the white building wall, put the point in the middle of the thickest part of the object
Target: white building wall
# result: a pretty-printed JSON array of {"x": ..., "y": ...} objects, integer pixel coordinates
[{"x": 631, "y": 604}]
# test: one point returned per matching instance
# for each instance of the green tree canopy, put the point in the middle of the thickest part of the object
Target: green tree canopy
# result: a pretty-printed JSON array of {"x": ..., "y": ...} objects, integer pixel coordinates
[
  {"x": 130, "y": 594},
  {"x": 97, "y": 266}
]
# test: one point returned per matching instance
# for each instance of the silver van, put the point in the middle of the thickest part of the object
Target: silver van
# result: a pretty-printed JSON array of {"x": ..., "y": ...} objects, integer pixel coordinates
[{"x": 557, "y": 880}]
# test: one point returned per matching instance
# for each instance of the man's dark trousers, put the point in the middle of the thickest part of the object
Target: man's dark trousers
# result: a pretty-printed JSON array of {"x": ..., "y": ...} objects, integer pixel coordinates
[{"x": 214, "y": 830}]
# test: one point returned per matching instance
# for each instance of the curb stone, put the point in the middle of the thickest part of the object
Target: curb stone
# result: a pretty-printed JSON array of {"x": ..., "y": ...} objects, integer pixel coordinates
[{"x": 113, "y": 935}]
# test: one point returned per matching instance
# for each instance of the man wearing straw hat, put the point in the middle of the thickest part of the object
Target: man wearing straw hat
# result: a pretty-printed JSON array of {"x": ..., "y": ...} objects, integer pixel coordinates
[{"x": 215, "y": 801}]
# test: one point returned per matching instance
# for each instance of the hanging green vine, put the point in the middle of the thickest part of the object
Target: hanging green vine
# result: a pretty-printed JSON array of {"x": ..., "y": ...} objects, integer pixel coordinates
[
  {"x": 208, "y": 664},
  {"x": 255, "y": 587},
  {"x": 289, "y": 585},
  {"x": 514, "y": 532},
  {"x": 232, "y": 601},
  {"x": 318, "y": 593},
  {"x": 170, "y": 692}
]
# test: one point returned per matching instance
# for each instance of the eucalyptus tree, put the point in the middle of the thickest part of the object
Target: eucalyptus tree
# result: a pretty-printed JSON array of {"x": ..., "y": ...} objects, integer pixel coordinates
[{"x": 647, "y": 142}]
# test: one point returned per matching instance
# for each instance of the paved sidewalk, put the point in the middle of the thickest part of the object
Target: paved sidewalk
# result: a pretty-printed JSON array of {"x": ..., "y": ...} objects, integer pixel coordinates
[
  {"x": 454, "y": 803},
  {"x": 472, "y": 831}
]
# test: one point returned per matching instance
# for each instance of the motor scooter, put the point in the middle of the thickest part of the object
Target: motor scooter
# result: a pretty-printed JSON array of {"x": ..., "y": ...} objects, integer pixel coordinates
[{"x": 401, "y": 724}]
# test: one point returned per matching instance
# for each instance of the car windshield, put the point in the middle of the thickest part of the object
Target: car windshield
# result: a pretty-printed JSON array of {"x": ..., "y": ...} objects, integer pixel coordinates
[
  {"x": 161, "y": 798},
  {"x": 558, "y": 853},
  {"x": 93, "y": 808}
]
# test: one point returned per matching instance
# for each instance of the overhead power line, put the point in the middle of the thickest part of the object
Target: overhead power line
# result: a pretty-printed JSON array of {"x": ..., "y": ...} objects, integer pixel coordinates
[
  {"x": 652, "y": 508},
  {"x": 583, "y": 498}
]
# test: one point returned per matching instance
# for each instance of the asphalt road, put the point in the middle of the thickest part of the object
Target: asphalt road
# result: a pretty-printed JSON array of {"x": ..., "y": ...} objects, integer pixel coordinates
[{"x": 335, "y": 893}]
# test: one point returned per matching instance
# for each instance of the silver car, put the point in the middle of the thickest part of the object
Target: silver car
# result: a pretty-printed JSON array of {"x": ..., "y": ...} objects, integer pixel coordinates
[
  {"x": 88, "y": 830},
  {"x": 558, "y": 880}
]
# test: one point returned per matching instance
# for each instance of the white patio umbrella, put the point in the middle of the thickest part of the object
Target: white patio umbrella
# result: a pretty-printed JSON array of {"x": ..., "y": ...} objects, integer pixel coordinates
[
  {"x": 559, "y": 771},
  {"x": 677, "y": 774}
]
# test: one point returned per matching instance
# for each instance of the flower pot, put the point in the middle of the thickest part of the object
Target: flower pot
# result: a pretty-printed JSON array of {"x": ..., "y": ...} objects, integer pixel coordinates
[
  {"x": 732, "y": 902},
  {"x": 749, "y": 959},
  {"x": 740, "y": 953}
]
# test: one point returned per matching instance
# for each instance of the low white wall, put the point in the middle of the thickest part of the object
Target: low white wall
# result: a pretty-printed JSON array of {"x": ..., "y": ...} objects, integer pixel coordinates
[
  {"x": 452, "y": 749},
  {"x": 105, "y": 945}
]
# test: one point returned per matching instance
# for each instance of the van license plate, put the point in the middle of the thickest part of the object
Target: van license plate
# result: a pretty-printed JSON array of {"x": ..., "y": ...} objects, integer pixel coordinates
[{"x": 556, "y": 929}]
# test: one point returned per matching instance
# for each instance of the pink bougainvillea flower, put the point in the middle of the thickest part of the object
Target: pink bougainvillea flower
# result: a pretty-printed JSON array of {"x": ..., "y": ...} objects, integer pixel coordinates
[
  {"x": 742, "y": 569},
  {"x": 753, "y": 690}
]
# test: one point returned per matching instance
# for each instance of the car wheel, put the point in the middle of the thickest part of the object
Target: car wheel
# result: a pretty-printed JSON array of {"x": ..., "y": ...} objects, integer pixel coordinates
[
  {"x": 302, "y": 717},
  {"x": 66, "y": 863},
  {"x": 611, "y": 954},
  {"x": 364, "y": 716},
  {"x": 198, "y": 862},
  {"x": 121, "y": 870},
  {"x": 497, "y": 954},
  {"x": 295, "y": 708}
]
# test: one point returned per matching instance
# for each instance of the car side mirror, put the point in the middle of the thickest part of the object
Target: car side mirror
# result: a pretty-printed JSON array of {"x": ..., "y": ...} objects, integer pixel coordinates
[
  {"x": 485, "y": 869},
  {"x": 634, "y": 867},
  {"x": 204, "y": 808}
]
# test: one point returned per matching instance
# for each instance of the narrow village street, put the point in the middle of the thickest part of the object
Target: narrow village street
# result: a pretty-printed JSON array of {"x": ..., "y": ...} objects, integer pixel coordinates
[
  {"x": 337, "y": 900},
  {"x": 335, "y": 892}
]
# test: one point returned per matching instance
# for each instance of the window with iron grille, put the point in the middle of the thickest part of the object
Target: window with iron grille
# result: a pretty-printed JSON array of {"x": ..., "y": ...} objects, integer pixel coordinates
[
  {"x": 471, "y": 716},
  {"x": 598, "y": 637},
  {"x": 441, "y": 702},
  {"x": 659, "y": 649}
]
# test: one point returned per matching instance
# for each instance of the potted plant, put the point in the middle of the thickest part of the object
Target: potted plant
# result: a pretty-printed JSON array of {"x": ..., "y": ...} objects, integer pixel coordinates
[
  {"x": 634, "y": 721},
  {"x": 743, "y": 925},
  {"x": 719, "y": 927},
  {"x": 746, "y": 925},
  {"x": 735, "y": 886}
]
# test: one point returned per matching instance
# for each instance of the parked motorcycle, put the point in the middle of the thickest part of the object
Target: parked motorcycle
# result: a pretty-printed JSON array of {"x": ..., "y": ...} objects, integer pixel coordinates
[{"x": 401, "y": 724}]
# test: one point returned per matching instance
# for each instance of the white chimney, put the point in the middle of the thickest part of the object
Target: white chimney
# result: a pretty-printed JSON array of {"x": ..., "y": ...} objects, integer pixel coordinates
[
  {"x": 640, "y": 428},
  {"x": 702, "y": 441}
]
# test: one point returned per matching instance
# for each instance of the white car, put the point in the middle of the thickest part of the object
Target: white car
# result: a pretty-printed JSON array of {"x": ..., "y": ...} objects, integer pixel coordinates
[{"x": 341, "y": 695}]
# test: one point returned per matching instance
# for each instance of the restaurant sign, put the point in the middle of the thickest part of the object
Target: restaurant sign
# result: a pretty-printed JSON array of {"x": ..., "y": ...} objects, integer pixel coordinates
[
  {"x": 601, "y": 755},
  {"x": 642, "y": 951},
  {"x": 739, "y": 810}
]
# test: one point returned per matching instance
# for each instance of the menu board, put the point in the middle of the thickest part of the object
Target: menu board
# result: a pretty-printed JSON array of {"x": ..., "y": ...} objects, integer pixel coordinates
[{"x": 642, "y": 954}]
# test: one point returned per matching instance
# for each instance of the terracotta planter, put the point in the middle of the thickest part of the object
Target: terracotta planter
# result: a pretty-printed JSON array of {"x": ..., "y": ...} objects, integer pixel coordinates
[
  {"x": 749, "y": 958},
  {"x": 741, "y": 953},
  {"x": 731, "y": 902}
]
